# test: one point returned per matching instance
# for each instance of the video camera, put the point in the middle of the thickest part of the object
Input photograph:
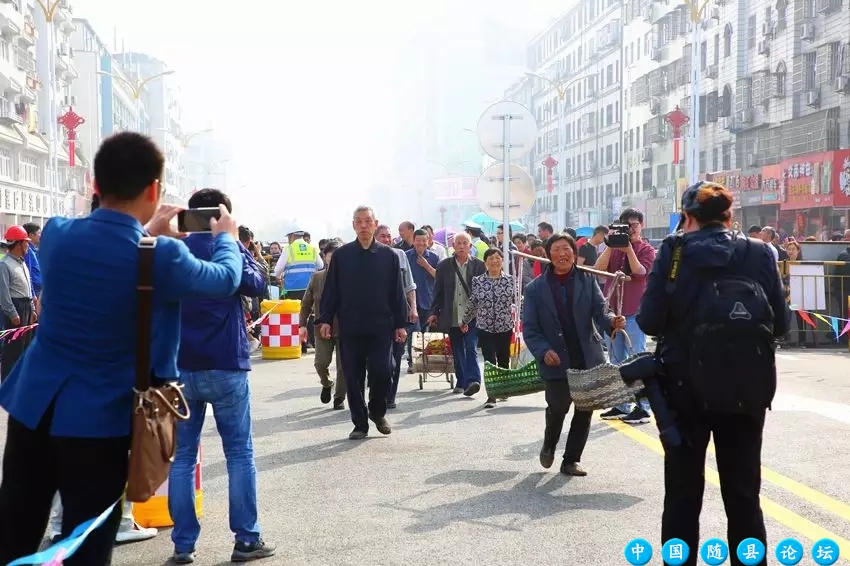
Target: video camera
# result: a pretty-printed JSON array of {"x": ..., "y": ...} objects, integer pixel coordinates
[
  {"x": 619, "y": 236},
  {"x": 647, "y": 368}
]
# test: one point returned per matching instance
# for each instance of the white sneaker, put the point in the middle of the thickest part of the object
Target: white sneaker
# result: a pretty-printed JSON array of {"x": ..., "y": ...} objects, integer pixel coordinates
[
  {"x": 135, "y": 534},
  {"x": 255, "y": 345}
]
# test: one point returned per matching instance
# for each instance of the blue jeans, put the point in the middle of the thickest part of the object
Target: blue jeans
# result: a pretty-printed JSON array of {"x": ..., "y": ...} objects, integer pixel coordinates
[
  {"x": 465, "y": 355},
  {"x": 229, "y": 393},
  {"x": 618, "y": 351}
]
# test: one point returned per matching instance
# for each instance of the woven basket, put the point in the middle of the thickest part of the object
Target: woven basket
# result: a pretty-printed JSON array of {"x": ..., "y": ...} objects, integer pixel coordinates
[
  {"x": 602, "y": 387},
  {"x": 502, "y": 383}
]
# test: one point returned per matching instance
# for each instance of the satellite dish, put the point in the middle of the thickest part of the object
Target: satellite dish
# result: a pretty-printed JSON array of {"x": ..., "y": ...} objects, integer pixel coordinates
[
  {"x": 491, "y": 188},
  {"x": 522, "y": 135}
]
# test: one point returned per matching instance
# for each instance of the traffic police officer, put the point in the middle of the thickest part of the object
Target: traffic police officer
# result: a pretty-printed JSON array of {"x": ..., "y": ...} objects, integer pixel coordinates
[
  {"x": 706, "y": 251},
  {"x": 297, "y": 264},
  {"x": 475, "y": 232}
]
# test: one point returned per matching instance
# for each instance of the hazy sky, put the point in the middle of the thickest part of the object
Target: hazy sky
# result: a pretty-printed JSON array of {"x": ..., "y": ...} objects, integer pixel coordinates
[{"x": 299, "y": 89}]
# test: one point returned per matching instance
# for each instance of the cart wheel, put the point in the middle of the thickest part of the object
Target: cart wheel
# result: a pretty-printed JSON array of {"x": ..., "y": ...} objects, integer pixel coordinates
[{"x": 421, "y": 381}]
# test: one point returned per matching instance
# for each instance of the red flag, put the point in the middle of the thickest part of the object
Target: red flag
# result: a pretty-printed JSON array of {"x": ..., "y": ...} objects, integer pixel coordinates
[{"x": 807, "y": 319}]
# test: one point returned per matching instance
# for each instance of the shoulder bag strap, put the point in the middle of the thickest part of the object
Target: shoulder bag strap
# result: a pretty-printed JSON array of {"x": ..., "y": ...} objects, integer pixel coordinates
[
  {"x": 144, "y": 320},
  {"x": 460, "y": 276}
]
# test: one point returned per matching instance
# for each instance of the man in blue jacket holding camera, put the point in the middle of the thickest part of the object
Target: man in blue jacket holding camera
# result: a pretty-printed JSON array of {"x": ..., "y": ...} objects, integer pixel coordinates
[{"x": 214, "y": 361}]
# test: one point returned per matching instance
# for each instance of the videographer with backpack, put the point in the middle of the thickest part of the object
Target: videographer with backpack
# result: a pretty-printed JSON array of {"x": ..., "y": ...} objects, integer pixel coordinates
[{"x": 715, "y": 301}]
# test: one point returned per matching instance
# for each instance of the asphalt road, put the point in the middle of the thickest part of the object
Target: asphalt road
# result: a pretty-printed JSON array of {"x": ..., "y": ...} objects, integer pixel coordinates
[{"x": 457, "y": 483}]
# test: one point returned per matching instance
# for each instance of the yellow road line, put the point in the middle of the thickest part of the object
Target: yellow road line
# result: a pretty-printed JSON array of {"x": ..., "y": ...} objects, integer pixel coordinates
[
  {"x": 813, "y": 496},
  {"x": 782, "y": 515}
]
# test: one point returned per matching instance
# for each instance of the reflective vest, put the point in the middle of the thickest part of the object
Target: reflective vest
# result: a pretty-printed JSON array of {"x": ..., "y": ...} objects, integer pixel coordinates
[
  {"x": 479, "y": 248},
  {"x": 301, "y": 260}
]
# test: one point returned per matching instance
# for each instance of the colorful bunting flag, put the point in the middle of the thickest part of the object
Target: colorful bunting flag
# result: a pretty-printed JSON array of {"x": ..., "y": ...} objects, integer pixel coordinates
[
  {"x": 807, "y": 319},
  {"x": 846, "y": 329},
  {"x": 834, "y": 324}
]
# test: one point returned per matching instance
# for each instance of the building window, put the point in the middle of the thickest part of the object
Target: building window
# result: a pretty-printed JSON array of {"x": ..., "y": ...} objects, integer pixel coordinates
[
  {"x": 810, "y": 73},
  {"x": 726, "y": 156},
  {"x": 29, "y": 170},
  {"x": 5, "y": 163},
  {"x": 780, "y": 77},
  {"x": 716, "y": 53},
  {"x": 727, "y": 41},
  {"x": 703, "y": 55},
  {"x": 751, "y": 32},
  {"x": 702, "y": 163}
]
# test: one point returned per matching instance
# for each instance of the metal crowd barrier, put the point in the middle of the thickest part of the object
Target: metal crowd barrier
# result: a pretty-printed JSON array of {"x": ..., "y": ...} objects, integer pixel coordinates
[{"x": 819, "y": 293}]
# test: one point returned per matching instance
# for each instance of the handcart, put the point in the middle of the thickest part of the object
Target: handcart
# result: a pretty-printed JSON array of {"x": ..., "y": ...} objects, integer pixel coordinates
[{"x": 432, "y": 357}]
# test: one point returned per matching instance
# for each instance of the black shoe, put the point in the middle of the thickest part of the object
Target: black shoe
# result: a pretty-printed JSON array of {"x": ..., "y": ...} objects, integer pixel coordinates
[
  {"x": 637, "y": 416},
  {"x": 339, "y": 404},
  {"x": 245, "y": 552},
  {"x": 547, "y": 457},
  {"x": 382, "y": 425},
  {"x": 614, "y": 414},
  {"x": 473, "y": 388},
  {"x": 183, "y": 557},
  {"x": 325, "y": 397},
  {"x": 572, "y": 469},
  {"x": 491, "y": 402},
  {"x": 357, "y": 434}
]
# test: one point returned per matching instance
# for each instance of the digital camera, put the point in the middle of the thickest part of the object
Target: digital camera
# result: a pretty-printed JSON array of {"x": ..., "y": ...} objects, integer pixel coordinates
[{"x": 619, "y": 236}]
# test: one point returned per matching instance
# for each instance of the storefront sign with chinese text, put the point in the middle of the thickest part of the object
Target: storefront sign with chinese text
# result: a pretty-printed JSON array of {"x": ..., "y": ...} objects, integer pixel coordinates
[
  {"x": 806, "y": 182},
  {"x": 771, "y": 178}
]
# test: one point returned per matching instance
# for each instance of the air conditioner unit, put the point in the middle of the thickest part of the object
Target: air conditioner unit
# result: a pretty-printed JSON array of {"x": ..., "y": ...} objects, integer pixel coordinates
[
  {"x": 824, "y": 6},
  {"x": 654, "y": 106},
  {"x": 657, "y": 53},
  {"x": 588, "y": 128},
  {"x": 726, "y": 122},
  {"x": 63, "y": 49},
  {"x": 715, "y": 13},
  {"x": 842, "y": 84},
  {"x": 649, "y": 12},
  {"x": 590, "y": 165},
  {"x": 746, "y": 116},
  {"x": 768, "y": 29},
  {"x": 712, "y": 71},
  {"x": 752, "y": 160},
  {"x": 646, "y": 154},
  {"x": 764, "y": 48},
  {"x": 812, "y": 98},
  {"x": 807, "y": 31}
]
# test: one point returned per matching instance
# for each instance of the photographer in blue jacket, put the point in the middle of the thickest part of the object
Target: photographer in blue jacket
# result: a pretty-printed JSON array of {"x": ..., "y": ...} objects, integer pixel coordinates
[{"x": 214, "y": 361}]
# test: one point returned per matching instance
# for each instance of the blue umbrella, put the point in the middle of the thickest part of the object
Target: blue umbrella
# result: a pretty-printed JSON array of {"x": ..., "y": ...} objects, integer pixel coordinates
[{"x": 584, "y": 232}]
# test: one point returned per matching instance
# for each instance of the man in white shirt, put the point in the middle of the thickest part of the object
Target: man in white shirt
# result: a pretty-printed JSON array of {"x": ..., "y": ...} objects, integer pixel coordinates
[{"x": 433, "y": 246}]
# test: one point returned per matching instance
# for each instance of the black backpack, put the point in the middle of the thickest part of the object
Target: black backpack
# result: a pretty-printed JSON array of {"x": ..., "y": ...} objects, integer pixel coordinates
[{"x": 732, "y": 363}]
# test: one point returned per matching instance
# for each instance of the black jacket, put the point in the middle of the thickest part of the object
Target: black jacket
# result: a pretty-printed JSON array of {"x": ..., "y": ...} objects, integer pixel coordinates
[
  {"x": 444, "y": 289},
  {"x": 666, "y": 315}
]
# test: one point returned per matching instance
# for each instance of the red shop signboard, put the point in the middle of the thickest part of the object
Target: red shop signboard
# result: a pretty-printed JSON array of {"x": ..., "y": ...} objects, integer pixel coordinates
[
  {"x": 841, "y": 171},
  {"x": 807, "y": 182},
  {"x": 771, "y": 179}
]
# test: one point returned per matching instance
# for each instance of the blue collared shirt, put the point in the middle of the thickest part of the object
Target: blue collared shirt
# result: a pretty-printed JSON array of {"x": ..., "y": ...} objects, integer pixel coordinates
[
  {"x": 83, "y": 357},
  {"x": 31, "y": 259},
  {"x": 424, "y": 281}
]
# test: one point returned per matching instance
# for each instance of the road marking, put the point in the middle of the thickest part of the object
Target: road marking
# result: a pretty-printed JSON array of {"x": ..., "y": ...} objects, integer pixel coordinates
[
  {"x": 787, "y": 357},
  {"x": 829, "y": 409},
  {"x": 783, "y": 515}
]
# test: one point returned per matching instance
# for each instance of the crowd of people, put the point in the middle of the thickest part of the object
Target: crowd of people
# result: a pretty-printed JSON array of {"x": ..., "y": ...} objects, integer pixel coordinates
[{"x": 69, "y": 393}]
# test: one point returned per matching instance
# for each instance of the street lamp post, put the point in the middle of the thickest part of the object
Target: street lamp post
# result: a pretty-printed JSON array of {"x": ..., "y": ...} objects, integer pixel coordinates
[
  {"x": 697, "y": 12},
  {"x": 48, "y": 9},
  {"x": 137, "y": 88}
]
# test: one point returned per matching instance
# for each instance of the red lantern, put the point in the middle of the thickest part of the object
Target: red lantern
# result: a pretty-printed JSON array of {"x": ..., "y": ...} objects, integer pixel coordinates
[
  {"x": 549, "y": 163},
  {"x": 676, "y": 118},
  {"x": 71, "y": 120}
]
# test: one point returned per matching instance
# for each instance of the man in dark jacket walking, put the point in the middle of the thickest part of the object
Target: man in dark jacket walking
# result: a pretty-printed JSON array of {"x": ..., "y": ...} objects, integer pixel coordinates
[
  {"x": 697, "y": 267},
  {"x": 214, "y": 361},
  {"x": 363, "y": 291}
]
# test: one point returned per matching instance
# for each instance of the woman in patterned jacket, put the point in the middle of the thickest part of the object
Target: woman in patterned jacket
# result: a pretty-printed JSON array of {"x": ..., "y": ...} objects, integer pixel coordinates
[{"x": 491, "y": 304}]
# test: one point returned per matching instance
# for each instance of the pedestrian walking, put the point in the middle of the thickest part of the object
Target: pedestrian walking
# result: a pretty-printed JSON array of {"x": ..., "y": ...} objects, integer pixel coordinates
[{"x": 364, "y": 291}]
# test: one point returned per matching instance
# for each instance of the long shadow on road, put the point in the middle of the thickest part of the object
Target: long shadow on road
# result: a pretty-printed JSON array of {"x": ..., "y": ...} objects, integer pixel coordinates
[
  {"x": 529, "y": 497},
  {"x": 285, "y": 458}
]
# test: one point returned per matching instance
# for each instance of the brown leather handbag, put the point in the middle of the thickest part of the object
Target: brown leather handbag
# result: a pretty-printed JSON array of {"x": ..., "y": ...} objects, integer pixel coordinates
[{"x": 156, "y": 410}]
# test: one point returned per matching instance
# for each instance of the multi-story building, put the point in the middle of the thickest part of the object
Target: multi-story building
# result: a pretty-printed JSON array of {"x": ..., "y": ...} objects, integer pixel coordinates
[
  {"x": 160, "y": 99},
  {"x": 446, "y": 80},
  {"x": 206, "y": 160},
  {"x": 787, "y": 113},
  {"x": 577, "y": 63}
]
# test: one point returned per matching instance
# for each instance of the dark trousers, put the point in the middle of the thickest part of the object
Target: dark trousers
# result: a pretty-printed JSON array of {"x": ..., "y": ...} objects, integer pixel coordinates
[
  {"x": 13, "y": 350},
  {"x": 737, "y": 444},
  {"x": 364, "y": 355},
  {"x": 90, "y": 475},
  {"x": 496, "y": 347},
  {"x": 558, "y": 403}
]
